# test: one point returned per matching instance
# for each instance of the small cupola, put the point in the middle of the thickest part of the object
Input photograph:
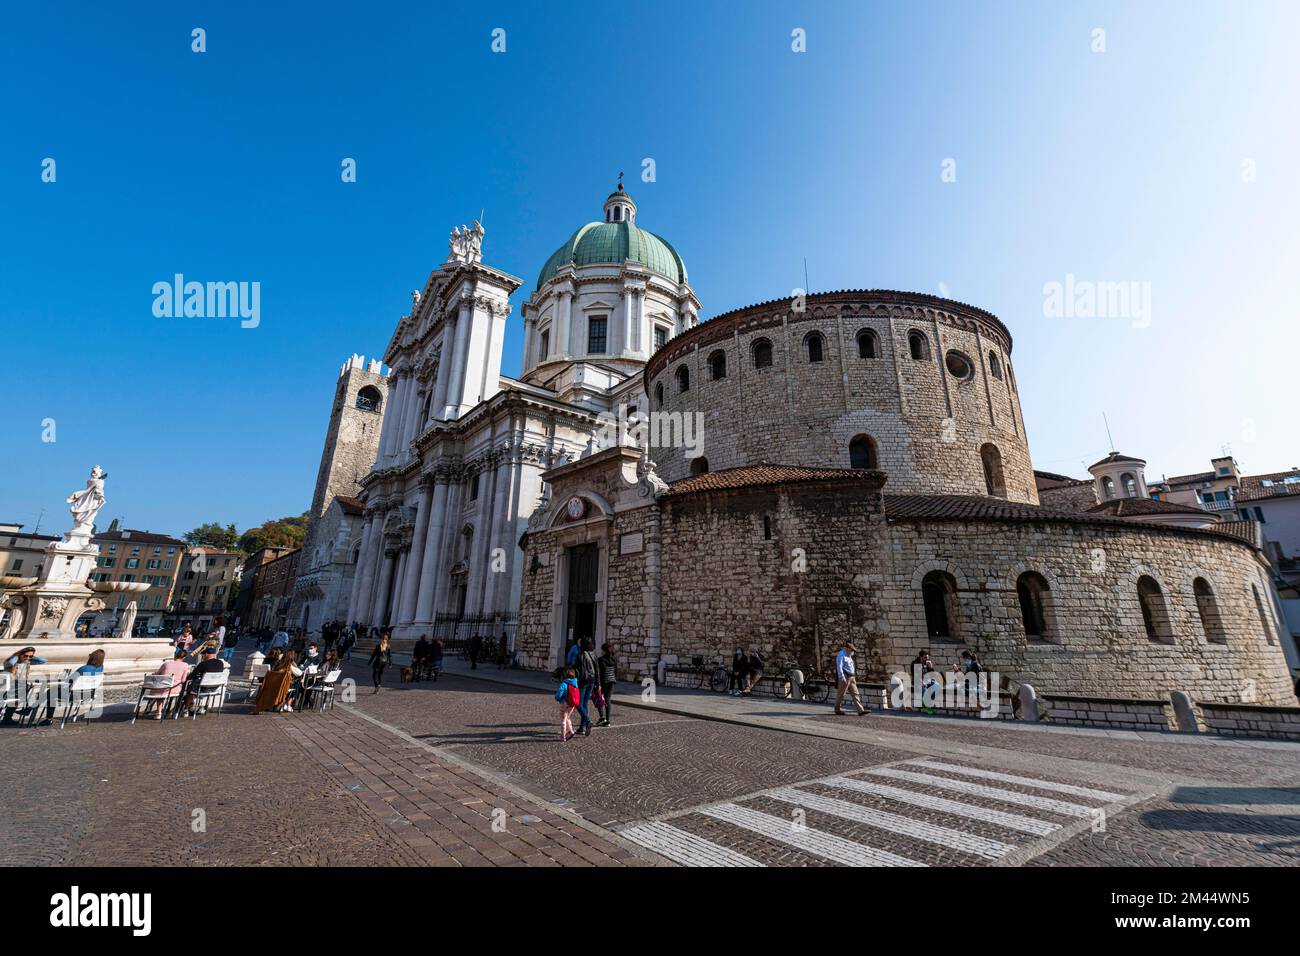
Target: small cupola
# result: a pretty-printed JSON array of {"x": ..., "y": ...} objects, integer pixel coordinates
[{"x": 619, "y": 207}]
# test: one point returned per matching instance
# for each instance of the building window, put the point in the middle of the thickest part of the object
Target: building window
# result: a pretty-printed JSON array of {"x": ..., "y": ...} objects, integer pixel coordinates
[
  {"x": 1263, "y": 615},
  {"x": 918, "y": 345},
  {"x": 661, "y": 337},
  {"x": 868, "y": 344},
  {"x": 132, "y": 562},
  {"x": 959, "y": 366},
  {"x": 473, "y": 488},
  {"x": 1208, "y": 609},
  {"x": 1155, "y": 614},
  {"x": 862, "y": 452},
  {"x": 17, "y": 565},
  {"x": 596, "y": 330},
  {"x": 762, "y": 350},
  {"x": 995, "y": 366},
  {"x": 544, "y": 346},
  {"x": 718, "y": 365},
  {"x": 1035, "y": 597},
  {"x": 767, "y": 527},
  {"x": 814, "y": 346},
  {"x": 683, "y": 375},
  {"x": 939, "y": 594},
  {"x": 368, "y": 399},
  {"x": 994, "y": 481},
  {"x": 1107, "y": 488},
  {"x": 699, "y": 466},
  {"x": 659, "y": 395}
]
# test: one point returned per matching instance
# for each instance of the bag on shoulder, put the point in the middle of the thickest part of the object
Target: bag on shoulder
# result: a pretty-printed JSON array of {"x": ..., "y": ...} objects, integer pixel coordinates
[
  {"x": 575, "y": 696},
  {"x": 586, "y": 667}
]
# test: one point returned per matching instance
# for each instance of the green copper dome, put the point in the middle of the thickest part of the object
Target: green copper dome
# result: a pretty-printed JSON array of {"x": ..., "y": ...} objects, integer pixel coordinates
[{"x": 613, "y": 243}]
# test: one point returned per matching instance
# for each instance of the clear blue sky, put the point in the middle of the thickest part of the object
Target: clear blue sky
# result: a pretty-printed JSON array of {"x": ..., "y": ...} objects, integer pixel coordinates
[{"x": 1117, "y": 166}]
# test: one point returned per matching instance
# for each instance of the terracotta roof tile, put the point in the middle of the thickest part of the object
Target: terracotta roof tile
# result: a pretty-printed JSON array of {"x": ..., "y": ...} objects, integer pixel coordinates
[
  {"x": 1126, "y": 507},
  {"x": 757, "y": 475},
  {"x": 1253, "y": 487},
  {"x": 350, "y": 505}
]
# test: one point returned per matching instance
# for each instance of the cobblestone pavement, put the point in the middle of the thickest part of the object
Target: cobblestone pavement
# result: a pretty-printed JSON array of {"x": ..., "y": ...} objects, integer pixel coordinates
[
  {"x": 885, "y": 789},
  {"x": 471, "y": 771}
]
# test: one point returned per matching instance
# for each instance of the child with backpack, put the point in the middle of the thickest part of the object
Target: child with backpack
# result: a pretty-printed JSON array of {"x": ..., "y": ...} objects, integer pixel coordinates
[{"x": 568, "y": 697}]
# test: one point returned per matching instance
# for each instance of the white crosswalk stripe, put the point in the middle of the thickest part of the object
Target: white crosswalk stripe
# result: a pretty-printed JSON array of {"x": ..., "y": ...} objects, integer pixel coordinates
[
  {"x": 805, "y": 838},
  {"x": 989, "y": 793},
  {"x": 1025, "y": 781},
  {"x": 903, "y": 827},
  {"x": 918, "y": 829},
  {"x": 1011, "y": 821},
  {"x": 683, "y": 847}
]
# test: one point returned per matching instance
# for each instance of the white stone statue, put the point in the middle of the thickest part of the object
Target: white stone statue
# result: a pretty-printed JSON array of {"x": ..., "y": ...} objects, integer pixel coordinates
[
  {"x": 456, "y": 244},
  {"x": 651, "y": 483},
  {"x": 86, "y": 504},
  {"x": 474, "y": 241},
  {"x": 128, "y": 621},
  {"x": 14, "y": 625}
]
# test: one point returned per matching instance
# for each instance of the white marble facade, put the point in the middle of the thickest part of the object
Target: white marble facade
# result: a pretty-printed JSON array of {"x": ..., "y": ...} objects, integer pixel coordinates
[{"x": 463, "y": 446}]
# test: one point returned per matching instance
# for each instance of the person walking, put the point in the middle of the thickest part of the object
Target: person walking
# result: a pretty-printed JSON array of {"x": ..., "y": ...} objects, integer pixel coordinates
[
  {"x": 847, "y": 680},
  {"x": 606, "y": 677},
  {"x": 568, "y": 696},
  {"x": 586, "y": 685},
  {"x": 380, "y": 658},
  {"x": 475, "y": 649},
  {"x": 503, "y": 651},
  {"x": 420, "y": 657},
  {"x": 229, "y": 641},
  {"x": 345, "y": 647}
]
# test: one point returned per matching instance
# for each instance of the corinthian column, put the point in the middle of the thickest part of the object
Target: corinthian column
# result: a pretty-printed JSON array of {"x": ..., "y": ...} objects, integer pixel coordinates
[{"x": 410, "y": 587}]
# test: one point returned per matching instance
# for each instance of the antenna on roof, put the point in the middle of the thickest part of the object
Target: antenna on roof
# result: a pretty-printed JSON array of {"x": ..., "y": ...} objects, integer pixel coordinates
[
  {"x": 1108, "y": 438},
  {"x": 805, "y": 274},
  {"x": 37, "y": 529}
]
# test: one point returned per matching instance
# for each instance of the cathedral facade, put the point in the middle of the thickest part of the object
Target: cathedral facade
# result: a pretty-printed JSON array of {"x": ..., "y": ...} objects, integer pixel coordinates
[{"x": 859, "y": 469}]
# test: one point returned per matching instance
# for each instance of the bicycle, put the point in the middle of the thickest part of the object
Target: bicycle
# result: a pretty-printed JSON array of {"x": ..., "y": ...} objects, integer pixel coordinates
[{"x": 814, "y": 686}]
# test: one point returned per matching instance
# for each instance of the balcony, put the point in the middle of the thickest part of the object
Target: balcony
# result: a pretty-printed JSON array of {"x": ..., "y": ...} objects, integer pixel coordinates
[{"x": 1219, "y": 505}]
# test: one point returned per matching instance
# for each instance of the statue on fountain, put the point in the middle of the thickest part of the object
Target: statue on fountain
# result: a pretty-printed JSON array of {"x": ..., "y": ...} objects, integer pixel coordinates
[{"x": 85, "y": 505}]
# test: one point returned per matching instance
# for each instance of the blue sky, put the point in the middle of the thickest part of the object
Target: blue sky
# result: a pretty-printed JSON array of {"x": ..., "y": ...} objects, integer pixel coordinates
[{"x": 1118, "y": 166}]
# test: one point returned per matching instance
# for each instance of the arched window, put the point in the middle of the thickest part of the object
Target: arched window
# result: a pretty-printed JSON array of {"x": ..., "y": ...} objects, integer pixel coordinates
[
  {"x": 718, "y": 365},
  {"x": 1155, "y": 615},
  {"x": 762, "y": 350},
  {"x": 1208, "y": 609},
  {"x": 683, "y": 379},
  {"x": 369, "y": 399},
  {"x": 424, "y": 407},
  {"x": 939, "y": 594},
  {"x": 994, "y": 481},
  {"x": 544, "y": 346},
  {"x": 1130, "y": 484},
  {"x": 814, "y": 346},
  {"x": 1107, "y": 488},
  {"x": 1263, "y": 616},
  {"x": 995, "y": 367},
  {"x": 919, "y": 345},
  {"x": 862, "y": 452},
  {"x": 868, "y": 344},
  {"x": 1035, "y": 602},
  {"x": 699, "y": 465},
  {"x": 659, "y": 395}
]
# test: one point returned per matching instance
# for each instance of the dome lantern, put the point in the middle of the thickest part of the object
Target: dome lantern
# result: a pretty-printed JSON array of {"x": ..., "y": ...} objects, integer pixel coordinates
[{"x": 619, "y": 207}]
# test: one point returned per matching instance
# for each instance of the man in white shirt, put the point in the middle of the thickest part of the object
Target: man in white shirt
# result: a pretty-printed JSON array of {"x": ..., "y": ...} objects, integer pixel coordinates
[{"x": 846, "y": 678}]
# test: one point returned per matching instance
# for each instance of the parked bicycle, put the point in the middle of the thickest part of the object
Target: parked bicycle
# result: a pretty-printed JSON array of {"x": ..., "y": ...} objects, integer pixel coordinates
[
  {"x": 814, "y": 686},
  {"x": 699, "y": 672}
]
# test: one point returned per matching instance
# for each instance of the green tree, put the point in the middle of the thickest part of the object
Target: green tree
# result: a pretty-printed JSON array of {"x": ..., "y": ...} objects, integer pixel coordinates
[
  {"x": 213, "y": 535},
  {"x": 278, "y": 533}
]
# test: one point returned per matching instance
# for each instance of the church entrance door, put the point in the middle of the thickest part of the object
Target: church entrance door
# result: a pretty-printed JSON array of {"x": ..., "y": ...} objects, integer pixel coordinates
[{"x": 584, "y": 579}]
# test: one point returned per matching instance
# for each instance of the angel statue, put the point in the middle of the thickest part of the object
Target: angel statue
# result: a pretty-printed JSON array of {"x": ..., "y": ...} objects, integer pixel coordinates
[{"x": 86, "y": 504}]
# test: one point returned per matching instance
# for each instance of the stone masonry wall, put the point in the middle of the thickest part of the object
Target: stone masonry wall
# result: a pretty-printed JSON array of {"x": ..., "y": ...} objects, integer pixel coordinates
[
  {"x": 1099, "y": 645},
  {"x": 928, "y": 424}
]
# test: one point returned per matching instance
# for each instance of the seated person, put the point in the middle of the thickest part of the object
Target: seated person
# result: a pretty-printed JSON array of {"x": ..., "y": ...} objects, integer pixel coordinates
[
  {"x": 18, "y": 666},
  {"x": 94, "y": 664},
  {"x": 209, "y": 664},
  {"x": 179, "y": 672},
  {"x": 288, "y": 663}
]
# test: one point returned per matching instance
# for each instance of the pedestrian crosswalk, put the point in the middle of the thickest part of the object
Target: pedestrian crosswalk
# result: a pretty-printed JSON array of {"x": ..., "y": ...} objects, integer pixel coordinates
[{"x": 922, "y": 812}]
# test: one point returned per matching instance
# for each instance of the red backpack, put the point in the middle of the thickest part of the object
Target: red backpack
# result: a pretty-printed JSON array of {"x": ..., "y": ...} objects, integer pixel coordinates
[{"x": 575, "y": 695}]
